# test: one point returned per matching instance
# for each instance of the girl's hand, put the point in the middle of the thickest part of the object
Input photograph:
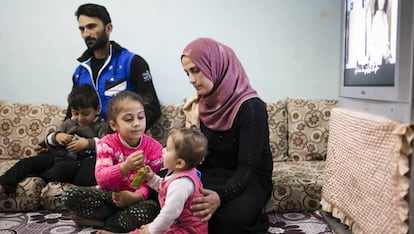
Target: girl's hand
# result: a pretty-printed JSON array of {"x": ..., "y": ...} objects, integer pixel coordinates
[
  {"x": 148, "y": 173},
  {"x": 78, "y": 145},
  {"x": 206, "y": 205},
  {"x": 124, "y": 199},
  {"x": 133, "y": 161},
  {"x": 63, "y": 138}
]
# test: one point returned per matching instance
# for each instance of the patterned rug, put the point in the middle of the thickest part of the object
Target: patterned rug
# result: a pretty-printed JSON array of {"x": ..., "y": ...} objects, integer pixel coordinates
[
  {"x": 47, "y": 222},
  {"x": 298, "y": 223}
]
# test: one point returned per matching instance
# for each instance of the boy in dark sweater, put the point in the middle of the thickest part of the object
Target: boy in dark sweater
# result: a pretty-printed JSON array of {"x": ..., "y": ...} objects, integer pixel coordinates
[{"x": 68, "y": 154}]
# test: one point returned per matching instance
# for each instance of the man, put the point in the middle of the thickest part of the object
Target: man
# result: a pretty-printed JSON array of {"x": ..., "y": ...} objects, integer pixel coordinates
[{"x": 108, "y": 67}]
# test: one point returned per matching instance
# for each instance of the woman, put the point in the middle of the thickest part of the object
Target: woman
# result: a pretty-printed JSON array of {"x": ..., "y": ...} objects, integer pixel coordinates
[
  {"x": 380, "y": 47},
  {"x": 237, "y": 171}
]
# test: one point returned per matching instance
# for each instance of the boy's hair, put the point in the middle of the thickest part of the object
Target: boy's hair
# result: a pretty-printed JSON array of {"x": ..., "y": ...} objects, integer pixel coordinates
[
  {"x": 94, "y": 10},
  {"x": 190, "y": 145},
  {"x": 113, "y": 108},
  {"x": 83, "y": 96}
]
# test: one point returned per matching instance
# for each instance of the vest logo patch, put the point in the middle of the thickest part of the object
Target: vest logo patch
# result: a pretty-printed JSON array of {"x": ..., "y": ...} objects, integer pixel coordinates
[{"x": 146, "y": 76}]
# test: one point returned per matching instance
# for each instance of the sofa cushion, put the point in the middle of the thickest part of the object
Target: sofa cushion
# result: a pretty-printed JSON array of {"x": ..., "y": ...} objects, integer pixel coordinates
[
  {"x": 51, "y": 193},
  {"x": 277, "y": 119},
  {"x": 172, "y": 117},
  {"x": 27, "y": 196},
  {"x": 23, "y": 126},
  {"x": 308, "y": 128},
  {"x": 297, "y": 186}
]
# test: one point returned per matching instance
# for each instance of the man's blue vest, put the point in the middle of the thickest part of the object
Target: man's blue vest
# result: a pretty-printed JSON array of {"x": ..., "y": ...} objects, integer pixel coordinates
[{"x": 113, "y": 77}]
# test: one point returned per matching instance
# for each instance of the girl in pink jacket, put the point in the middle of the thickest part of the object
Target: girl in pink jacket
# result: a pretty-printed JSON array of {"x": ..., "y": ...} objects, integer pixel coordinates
[{"x": 115, "y": 205}]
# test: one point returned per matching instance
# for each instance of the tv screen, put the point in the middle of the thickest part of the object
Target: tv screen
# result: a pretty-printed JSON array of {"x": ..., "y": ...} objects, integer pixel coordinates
[
  {"x": 370, "y": 42},
  {"x": 377, "y": 50},
  {"x": 377, "y": 57}
]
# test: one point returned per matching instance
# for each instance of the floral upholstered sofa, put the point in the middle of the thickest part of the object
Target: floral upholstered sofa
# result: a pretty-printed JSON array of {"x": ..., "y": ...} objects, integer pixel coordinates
[{"x": 298, "y": 139}]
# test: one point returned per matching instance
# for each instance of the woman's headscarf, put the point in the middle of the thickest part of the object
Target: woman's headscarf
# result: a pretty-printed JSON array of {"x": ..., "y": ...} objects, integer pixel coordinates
[{"x": 231, "y": 87}]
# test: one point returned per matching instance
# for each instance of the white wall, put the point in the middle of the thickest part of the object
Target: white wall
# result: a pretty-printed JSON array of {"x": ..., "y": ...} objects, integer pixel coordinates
[{"x": 288, "y": 47}]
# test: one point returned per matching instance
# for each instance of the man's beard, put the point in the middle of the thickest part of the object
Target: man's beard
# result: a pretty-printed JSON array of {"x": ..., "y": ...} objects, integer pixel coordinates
[{"x": 99, "y": 43}]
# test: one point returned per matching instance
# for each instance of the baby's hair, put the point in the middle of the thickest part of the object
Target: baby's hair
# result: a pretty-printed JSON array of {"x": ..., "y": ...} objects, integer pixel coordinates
[
  {"x": 190, "y": 145},
  {"x": 83, "y": 96},
  {"x": 114, "y": 107}
]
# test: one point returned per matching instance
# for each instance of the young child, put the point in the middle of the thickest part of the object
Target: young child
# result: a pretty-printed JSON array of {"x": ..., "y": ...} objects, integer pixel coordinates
[
  {"x": 61, "y": 157},
  {"x": 185, "y": 149},
  {"x": 115, "y": 205}
]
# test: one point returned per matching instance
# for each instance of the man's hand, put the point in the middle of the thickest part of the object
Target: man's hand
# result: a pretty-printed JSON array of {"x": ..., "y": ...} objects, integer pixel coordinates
[{"x": 206, "y": 205}]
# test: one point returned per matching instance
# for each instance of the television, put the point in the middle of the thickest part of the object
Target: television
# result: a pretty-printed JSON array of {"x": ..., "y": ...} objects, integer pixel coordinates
[{"x": 377, "y": 57}]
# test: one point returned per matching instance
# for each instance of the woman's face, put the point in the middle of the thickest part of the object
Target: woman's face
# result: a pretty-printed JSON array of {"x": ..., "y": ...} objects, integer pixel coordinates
[{"x": 201, "y": 83}]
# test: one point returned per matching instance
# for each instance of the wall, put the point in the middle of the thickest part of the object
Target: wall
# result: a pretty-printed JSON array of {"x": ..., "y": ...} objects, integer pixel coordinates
[{"x": 289, "y": 48}]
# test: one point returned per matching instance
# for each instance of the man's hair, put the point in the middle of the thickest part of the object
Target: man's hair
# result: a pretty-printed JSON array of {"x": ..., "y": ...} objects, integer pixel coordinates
[
  {"x": 190, "y": 144},
  {"x": 114, "y": 106},
  {"x": 94, "y": 10},
  {"x": 83, "y": 96}
]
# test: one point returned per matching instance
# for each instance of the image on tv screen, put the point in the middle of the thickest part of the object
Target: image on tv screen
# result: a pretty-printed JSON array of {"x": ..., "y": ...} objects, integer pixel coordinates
[{"x": 370, "y": 42}]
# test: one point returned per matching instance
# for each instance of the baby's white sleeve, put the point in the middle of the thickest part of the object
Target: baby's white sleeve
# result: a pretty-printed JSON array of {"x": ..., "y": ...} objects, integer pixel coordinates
[{"x": 177, "y": 194}]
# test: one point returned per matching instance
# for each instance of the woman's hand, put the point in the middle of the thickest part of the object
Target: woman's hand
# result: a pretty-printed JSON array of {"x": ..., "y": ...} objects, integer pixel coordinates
[
  {"x": 206, "y": 205},
  {"x": 124, "y": 199},
  {"x": 133, "y": 161}
]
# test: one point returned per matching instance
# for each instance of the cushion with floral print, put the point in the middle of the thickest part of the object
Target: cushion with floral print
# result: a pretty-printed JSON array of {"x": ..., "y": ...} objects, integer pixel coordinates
[
  {"x": 172, "y": 117},
  {"x": 23, "y": 126},
  {"x": 277, "y": 120},
  {"x": 27, "y": 195},
  {"x": 51, "y": 193},
  {"x": 308, "y": 128}
]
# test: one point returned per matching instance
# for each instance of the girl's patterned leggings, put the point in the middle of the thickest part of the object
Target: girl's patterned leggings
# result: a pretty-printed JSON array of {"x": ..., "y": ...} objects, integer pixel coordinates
[{"x": 97, "y": 204}]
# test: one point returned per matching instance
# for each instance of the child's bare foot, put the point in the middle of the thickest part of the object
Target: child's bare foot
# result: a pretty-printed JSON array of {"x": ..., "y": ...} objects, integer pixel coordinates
[
  {"x": 84, "y": 222},
  {"x": 103, "y": 232}
]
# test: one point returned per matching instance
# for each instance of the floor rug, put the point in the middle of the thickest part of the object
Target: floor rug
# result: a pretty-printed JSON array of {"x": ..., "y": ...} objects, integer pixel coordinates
[
  {"x": 298, "y": 223},
  {"x": 48, "y": 222}
]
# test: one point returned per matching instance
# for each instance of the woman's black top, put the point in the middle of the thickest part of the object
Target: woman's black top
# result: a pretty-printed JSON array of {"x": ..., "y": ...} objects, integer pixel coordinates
[{"x": 241, "y": 155}]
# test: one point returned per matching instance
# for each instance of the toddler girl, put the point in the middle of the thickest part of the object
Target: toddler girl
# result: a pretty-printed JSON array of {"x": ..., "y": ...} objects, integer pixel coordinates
[{"x": 185, "y": 149}]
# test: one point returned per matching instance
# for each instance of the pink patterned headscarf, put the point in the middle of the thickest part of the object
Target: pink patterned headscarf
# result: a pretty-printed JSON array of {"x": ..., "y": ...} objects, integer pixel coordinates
[{"x": 220, "y": 64}]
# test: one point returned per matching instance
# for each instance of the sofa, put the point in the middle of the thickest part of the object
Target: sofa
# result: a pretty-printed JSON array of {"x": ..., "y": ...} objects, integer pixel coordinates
[{"x": 298, "y": 133}]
